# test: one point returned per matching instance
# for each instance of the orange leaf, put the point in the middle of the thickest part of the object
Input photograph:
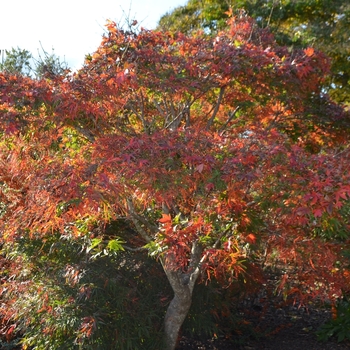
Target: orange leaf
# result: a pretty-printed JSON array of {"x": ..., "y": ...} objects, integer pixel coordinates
[
  {"x": 309, "y": 51},
  {"x": 165, "y": 218},
  {"x": 312, "y": 264},
  {"x": 251, "y": 238}
]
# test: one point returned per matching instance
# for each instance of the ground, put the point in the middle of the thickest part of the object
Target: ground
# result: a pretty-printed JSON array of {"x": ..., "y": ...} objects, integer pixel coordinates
[
  {"x": 273, "y": 323},
  {"x": 288, "y": 327}
]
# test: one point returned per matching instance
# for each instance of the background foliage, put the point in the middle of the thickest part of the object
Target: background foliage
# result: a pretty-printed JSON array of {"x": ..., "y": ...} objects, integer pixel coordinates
[{"x": 324, "y": 25}]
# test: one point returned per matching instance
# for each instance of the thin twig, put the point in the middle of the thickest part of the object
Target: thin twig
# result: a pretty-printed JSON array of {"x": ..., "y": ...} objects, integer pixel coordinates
[{"x": 231, "y": 116}]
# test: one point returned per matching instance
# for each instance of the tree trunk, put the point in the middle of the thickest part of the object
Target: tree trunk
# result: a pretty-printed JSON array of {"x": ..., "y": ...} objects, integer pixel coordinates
[
  {"x": 182, "y": 284},
  {"x": 175, "y": 316}
]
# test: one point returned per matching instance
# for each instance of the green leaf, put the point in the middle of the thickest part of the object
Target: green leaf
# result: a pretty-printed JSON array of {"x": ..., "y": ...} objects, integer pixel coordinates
[
  {"x": 341, "y": 336},
  {"x": 154, "y": 248},
  {"x": 115, "y": 245},
  {"x": 94, "y": 243}
]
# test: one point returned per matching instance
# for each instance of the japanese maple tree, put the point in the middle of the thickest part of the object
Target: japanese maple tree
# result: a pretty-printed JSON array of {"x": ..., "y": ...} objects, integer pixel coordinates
[{"x": 208, "y": 148}]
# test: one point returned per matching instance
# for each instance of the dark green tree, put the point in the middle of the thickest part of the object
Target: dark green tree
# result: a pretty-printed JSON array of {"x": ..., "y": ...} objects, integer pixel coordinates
[
  {"x": 207, "y": 14},
  {"x": 22, "y": 62},
  {"x": 17, "y": 61}
]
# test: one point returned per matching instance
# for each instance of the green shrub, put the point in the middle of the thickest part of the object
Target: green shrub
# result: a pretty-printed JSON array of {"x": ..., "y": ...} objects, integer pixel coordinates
[
  {"x": 74, "y": 301},
  {"x": 339, "y": 325}
]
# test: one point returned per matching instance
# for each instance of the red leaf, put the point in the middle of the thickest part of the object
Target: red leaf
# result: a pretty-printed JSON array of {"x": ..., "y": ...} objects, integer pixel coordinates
[
  {"x": 200, "y": 168},
  {"x": 318, "y": 213},
  {"x": 210, "y": 186},
  {"x": 9, "y": 332}
]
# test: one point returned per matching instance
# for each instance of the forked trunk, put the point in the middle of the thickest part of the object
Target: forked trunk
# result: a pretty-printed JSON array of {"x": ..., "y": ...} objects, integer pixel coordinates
[{"x": 181, "y": 282}]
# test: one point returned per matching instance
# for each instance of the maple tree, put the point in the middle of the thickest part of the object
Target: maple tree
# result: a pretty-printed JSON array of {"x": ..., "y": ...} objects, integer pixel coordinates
[
  {"x": 322, "y": 24},
  {"x": 218, "y": 152}
]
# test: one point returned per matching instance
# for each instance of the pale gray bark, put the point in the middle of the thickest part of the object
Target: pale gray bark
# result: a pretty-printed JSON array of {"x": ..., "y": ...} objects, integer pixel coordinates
[
  {"x": 182, "y": 284},
  {"x": 175, "y": 315}
]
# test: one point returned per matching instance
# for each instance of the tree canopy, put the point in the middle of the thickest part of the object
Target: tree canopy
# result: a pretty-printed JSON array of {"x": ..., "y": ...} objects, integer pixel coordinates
[
  {"x": 320, "y": 24},
  {"x": 216, "y": 151}
]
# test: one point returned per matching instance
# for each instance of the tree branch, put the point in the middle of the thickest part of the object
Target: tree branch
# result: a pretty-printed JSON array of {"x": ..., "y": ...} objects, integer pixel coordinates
[
  {"x": 85, "y": 133},
  {"x": 216, "y": 109},
  {"x": 136, "y": 219},
  {"x": 231, "y": 116}
]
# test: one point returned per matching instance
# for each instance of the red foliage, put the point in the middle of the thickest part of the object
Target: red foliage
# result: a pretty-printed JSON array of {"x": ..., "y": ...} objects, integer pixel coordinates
[{"x": 229, "y": 144}]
